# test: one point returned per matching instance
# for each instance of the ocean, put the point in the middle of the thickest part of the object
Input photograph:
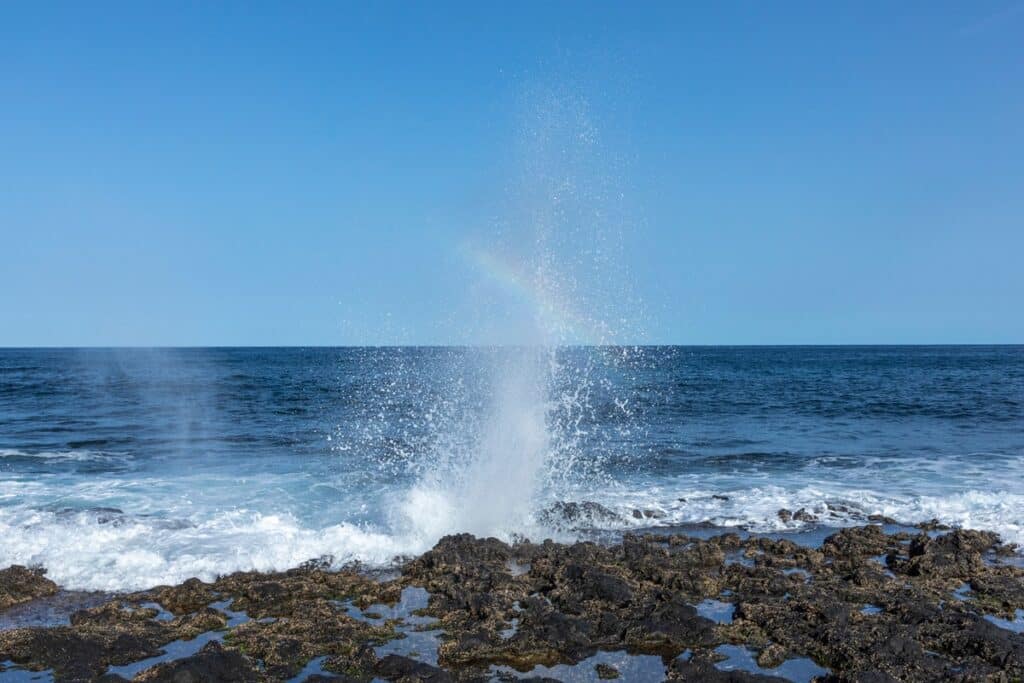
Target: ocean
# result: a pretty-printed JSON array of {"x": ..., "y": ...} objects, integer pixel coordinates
[{"x": 126, "y": 468}]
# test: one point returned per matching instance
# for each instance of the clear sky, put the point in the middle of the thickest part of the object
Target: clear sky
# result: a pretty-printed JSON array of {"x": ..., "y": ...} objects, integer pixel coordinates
[{"x": 195, "y": 173}]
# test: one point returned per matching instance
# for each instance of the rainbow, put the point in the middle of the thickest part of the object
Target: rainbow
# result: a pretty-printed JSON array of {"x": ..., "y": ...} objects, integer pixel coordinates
[{"x": 539, "y": 294}]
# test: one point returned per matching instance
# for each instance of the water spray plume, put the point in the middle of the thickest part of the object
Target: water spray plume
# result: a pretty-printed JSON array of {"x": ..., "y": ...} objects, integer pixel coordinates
[{"x": 519, "y": 451}]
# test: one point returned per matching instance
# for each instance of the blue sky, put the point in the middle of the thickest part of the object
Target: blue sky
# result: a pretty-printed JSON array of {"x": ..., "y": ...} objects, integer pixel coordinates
[{"x": 303, "y": 173}]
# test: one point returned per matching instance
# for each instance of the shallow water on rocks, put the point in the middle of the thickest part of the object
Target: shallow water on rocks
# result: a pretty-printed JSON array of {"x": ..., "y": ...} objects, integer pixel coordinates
[
  {"x": 796, "y": 571},
  {"x": 738, "y": 558},
  {"x": 419, "y": 645},
  {"x": 313, "y": 668},
  {"x": 1014, "y": 560},
  {"x": 630, "y": 668},
  {"x": 180, "y": 649},
  {"x": 962, "y": 593},
  {"x": 11, "y": 673},
  {"x": 51, "y": 610},
  {"x": 1016, "y": 624},
  {"x": 798, "y": 670},
  {"x": 413, "y": 598},
  {"x": 177, "y": 649},
  {"x": 419, "y": 642},
  {"x": 162, "y": 614},
  {"x": 716, "y": 610}
]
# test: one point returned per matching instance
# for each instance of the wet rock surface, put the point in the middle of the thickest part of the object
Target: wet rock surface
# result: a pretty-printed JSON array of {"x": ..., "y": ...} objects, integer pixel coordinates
[
  {"x": 502, "y": 611},
  {"x": 20, "y": 584},
  {"x": 212, "y": 663},
  {"x": 582, "y": 515}
]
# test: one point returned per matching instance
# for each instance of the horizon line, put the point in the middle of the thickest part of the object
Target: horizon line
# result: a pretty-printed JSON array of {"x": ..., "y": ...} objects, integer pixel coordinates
[{"x": 142, "y": 347}]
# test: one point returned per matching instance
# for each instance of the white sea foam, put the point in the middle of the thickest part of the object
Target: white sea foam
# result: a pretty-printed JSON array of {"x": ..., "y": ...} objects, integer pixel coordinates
[
  {"x": 80, "y": 553},
  {"x": 83, "y": 550},
  {"x": 76, "y": 455},
  {"x": 756, "y": 508}
]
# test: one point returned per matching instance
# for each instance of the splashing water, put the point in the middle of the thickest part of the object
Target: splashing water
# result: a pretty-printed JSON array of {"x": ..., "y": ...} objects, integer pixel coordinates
[
  {"x": 501, "y": 481},
  {"x": 525, "y": 447},
  {"x": 492, "y": 491},
  {"x": 546, "y": 281}
]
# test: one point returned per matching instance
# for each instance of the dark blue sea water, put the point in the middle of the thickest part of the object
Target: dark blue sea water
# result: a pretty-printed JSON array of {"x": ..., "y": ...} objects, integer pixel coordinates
[{"x": 127, "y": 468}]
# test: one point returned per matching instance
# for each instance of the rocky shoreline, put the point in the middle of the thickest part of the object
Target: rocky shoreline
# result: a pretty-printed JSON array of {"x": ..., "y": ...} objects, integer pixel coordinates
[{"x": 918, "y": 604}]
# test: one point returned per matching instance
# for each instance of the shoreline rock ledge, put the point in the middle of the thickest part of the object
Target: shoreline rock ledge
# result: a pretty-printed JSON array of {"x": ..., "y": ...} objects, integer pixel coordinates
[
  {"x": 20, "y": 584},
  {"x": 865, "y": 607}
]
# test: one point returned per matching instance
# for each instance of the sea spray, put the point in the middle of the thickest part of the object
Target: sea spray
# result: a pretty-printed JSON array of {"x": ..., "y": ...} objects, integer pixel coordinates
[
  {"x": 546, "y": 281},
  {"x": 500, "y": 484},
  {"x": 524, "y": 453}
]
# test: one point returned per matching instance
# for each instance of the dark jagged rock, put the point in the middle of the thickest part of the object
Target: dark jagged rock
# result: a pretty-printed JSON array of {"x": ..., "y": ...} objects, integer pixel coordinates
[
  {"x": 287, "y": 644},
  {"x": 933, "y": 525},
  {"x": 75, "y": 655},
  {"x": 771, "y": 656},
  {"x": 648, "y": 514},
  {"x": 956, "y": 554},
  {"x": 857, "y": 542},
  {"x": 212, "y": 664},
  {"x": 589, "y": 583},
  {"x": 999, "y": 591},
  {"x": 112, "y": 634},
  {"x": 669, "y": 623},
  {"x": 570, "y": 515},
  {"x": 802, "y": 515},
  {"x": 187, "y": 597},
  {"x": 20, "y": 584},
  {"x": 530, "y": 604},
  {"x": 399, "y": 668}
]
